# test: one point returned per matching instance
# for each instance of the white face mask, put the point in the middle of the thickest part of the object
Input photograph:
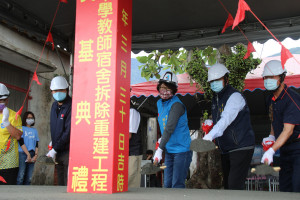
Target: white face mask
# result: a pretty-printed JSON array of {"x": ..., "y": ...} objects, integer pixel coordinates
[{"x": 30, "y": 121}]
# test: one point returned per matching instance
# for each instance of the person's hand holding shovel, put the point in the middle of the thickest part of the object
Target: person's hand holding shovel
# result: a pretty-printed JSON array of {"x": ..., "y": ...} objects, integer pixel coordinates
[
  {"x": 268, "y": 156},
  {"x": 157, "y": 156}
]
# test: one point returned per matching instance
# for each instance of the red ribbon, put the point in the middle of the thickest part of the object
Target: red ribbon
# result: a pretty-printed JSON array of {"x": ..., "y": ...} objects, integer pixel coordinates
[
  {"x": 8, "y": 144},
  {"x": 267, "y": 145},
  {"x": 206, "y": 128}
]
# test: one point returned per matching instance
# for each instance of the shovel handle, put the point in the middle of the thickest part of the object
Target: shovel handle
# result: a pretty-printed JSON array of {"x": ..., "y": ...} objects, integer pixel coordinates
[{"x": 266, "y": 161}]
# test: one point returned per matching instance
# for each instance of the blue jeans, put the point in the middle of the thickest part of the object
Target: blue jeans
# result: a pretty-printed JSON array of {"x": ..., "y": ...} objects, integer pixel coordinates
[
  {"x": 289, "y": 174},
  {"x": 25, "y": 169},
  {"x": 177, "y": 169}
]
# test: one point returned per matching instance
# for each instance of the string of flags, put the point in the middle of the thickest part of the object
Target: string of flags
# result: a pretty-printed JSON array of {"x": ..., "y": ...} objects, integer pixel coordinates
[
  {"x": 234, "y": 22},
  {"x": 239, "y": 17},
  {"x": 49, "y": 39}
]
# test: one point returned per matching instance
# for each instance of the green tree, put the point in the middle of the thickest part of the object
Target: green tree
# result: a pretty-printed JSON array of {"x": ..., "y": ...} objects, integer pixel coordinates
[{"x": 195, "y": 63}]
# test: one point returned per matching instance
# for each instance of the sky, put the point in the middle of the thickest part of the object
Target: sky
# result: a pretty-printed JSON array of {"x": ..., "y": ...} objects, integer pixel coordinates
[{"x": 262, "y": 50}]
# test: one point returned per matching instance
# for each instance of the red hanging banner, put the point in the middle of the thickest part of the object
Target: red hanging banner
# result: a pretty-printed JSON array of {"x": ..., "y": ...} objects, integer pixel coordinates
[
  {"x": 240, "y": 14},
  {"x": 228, "y": 23},
  {"x": 99, "y": 146},
  {"x": 64, "y": 1},
  {"x": 250, "y": 49}
]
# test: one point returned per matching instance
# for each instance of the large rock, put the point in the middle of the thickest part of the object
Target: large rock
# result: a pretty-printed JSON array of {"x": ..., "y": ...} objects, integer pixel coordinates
[{"x": 208, "y": 174}]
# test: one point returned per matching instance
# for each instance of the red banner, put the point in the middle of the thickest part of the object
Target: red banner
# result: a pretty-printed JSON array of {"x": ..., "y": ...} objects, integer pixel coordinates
[{"x": 100, "y": 110}]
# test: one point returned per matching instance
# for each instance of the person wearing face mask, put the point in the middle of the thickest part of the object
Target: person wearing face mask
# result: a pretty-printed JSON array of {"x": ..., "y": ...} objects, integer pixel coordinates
[
  {"x": 10, "y": 133},
  {"x": 175, "y": 140},
  {"x": 28, "y": 149},
  {"x": 232, "y": 128},
  {"x": 285, "y": 126},
  {"x": 60, "y": 126}
]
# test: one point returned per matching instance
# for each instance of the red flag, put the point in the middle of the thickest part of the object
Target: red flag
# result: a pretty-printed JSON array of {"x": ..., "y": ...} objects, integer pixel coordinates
[
  {"x": 64, "y": 1},
  {"x": 228, "y": 22},
  {"x": 2, "y": 179},
  {"x": 285, "y": 55},
  {"x": 240, "y": 14},
  {"x": 250, "y": 49},
  {"x": 50, "y": 39},
  {"x": 35, "y": 78},
  {"x": 19, "y": 113}
]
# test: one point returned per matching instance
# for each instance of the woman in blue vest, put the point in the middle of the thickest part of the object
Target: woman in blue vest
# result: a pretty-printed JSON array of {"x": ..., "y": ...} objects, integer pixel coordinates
[
  {"x": 175, "y": 140},
  {"x": 285, "y": 126},
  {"x": 232, "y": 128}
]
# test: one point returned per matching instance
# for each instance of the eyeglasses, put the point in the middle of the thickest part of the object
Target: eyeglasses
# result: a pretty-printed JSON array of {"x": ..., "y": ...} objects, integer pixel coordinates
[{"x": 164, "y": 89}]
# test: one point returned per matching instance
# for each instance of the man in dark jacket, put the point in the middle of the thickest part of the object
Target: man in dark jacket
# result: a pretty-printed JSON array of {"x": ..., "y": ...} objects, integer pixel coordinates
[
  {"x": 135, "y": 150},
  {"x": 60, "y": 125},
  {"x": 285, "y": 126},
  {"x": 232, "y": 128}
]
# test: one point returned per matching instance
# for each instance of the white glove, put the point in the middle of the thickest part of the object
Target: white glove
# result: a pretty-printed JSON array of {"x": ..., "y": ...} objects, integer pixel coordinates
[
  {"x": 52, "y": 153},
  {"x": 208, "y": 122},
  {"x": 5, "y": 117},
  {"x": 159, "y": 140},
  {"x": 158, "y": 155},
  {"x": 208, "y": 137},
  {"x": 266, "y": 140},
  {"x": 268, "y": 156}
]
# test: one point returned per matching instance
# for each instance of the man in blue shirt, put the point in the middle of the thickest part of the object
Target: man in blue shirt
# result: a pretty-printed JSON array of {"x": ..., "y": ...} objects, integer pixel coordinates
[
  {"x": 285, "y": 108},
  {"x": 60, "y": 125}
]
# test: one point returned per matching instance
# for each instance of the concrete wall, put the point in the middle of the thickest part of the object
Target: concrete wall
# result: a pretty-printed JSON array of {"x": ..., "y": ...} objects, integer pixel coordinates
[{"x": 28, "y": 53}]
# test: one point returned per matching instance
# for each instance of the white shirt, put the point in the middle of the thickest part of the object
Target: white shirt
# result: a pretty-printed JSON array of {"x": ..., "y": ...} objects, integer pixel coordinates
[
  {"x": 134, "y": 121},
  {"x": 233, "y": 106}
]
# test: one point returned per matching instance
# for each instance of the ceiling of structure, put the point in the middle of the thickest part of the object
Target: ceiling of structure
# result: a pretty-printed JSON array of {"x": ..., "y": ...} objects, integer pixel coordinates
[{"x": 161, "y": 24}]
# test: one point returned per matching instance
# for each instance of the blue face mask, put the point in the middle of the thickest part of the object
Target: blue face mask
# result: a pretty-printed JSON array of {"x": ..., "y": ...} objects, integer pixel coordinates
[
  {"x": 270, "y": 84},
  {"x": 59, "y": 96},
  {"x": 216, "y": 86}
]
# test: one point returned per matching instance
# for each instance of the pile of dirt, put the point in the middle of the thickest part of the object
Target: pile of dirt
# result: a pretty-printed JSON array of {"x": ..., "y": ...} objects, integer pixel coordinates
[
  {"x": 200, "y": 145},
  {"x": 46, "y": 160},
  {"x": 264, "y": 170},
  {"x": 149, "y": 168}
]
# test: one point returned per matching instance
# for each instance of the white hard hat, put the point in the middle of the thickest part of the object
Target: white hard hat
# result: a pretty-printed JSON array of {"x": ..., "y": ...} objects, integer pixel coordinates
[
  {"x": 59, "y": 83},
  {"x": 216, "y": 71},
  {"x": 4, "y": 93},
  {"x": 273, "y": 68},
  {"x": 169, "y": 77}
]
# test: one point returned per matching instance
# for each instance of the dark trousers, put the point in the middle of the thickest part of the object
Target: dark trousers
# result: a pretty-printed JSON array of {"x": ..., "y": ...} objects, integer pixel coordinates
[
  {"x": 289, "y": 174},
  {"x": 9, "y": 175},
  {"x": 62, "y": 158},
  {"x": 235, "y": 168}
]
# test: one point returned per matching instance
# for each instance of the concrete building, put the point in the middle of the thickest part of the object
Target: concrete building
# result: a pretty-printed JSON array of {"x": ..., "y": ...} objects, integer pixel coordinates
[{"x": 19, "y": 58}]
